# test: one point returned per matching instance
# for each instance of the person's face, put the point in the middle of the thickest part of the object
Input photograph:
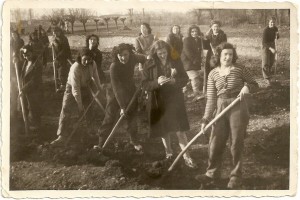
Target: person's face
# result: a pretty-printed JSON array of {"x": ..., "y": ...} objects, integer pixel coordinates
[
  {"x": 86, "y": 60},
  {"x": 194, "y": 33},
  {"x": 124, "y": 56},
  {"x": 271, "y": 23},
  {"x": 226, "y": 57},
  {"x": 215, "y": 28},
  {"x": 144, "y": 30},
  {"x": 93, "y": 42},
  {"x": 175, "y": 29},
  {"x": 162, "y": 54}
]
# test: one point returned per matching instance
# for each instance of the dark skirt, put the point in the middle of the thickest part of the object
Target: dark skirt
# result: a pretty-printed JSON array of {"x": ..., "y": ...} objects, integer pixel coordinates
[{"x": 166, "y": 111}]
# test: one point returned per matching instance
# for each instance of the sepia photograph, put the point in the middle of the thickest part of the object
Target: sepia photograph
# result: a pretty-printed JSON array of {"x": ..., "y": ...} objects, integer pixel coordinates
[{"x": 141, "y": 98}]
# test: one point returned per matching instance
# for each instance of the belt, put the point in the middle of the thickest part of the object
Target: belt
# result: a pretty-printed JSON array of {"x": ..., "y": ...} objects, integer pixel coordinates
[{"x": 228, "y": 95}]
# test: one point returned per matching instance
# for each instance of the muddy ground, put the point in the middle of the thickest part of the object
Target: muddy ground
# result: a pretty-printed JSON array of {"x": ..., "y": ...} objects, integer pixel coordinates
[{"x": 35, "y": 165}]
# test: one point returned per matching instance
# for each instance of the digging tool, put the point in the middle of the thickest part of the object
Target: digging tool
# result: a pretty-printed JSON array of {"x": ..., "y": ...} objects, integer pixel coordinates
[
  {"x": 96, "y": 99},
  {"x": 276, "y": 56},
  {"x": 237, "y": 100},
  {"x": 204, "y": 70},
  {"x": 54, "y": 68},
  {"x": 80, "y": 119},
  {"x": 135, "y": 95},
  {"x": 70, "y": 62},
  {"x": 22, "y": 101}
]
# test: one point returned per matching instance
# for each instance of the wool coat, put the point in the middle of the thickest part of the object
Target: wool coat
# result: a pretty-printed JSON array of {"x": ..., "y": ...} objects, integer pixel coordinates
[
  {"x": 191, "y": 53},
  {"x": 165, "y": 105}
]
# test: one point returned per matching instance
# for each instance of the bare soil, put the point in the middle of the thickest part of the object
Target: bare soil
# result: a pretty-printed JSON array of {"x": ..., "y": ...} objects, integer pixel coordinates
[{"x": 35, "y": 165}]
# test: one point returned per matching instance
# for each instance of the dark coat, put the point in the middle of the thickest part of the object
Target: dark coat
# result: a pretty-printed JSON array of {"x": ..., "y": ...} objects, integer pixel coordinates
[
  {"x": 31, "y": 80},
  {"x": 214, "y": 41},
  {"x": 191, "y": 53},
  {"x": 97, "y": 57},
  {"x": 165, "y": 105},
  {"x": 62, "y": 48},
  {"x": 176, "y": 44}
]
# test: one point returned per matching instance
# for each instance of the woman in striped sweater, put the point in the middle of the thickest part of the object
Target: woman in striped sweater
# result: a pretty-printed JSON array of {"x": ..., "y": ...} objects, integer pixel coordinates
[{"x": 225, "y": 83}]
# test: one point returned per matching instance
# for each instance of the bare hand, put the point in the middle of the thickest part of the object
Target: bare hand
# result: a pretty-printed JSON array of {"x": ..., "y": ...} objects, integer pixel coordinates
[
  {"x": 122, "y": 112},
  {"x": 244, "y": 92},
  {"x": 162, "y": 80},
  {"x": 272, "y": 50},
  {"x": 203, "y": 127}
]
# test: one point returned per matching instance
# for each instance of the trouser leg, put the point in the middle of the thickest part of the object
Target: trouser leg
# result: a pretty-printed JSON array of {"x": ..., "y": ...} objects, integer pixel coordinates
[
  {"x": 35, "y": 108},
  {"x": 63, "y": 71},
  {"x": 68, "y": 105},
  {"x": 111, "y": 114},
  {"x": 238, "y": 120},
  {"x": 266, "y": 63},
  {"x": 217, "y": 144},
  {"x": 131, "y": 123},
  {"x": 194, "y": 76}
]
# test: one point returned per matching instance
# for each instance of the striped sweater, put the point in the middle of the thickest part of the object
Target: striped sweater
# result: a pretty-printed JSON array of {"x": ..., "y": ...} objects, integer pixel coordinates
[{"x": 238, "y": 77}]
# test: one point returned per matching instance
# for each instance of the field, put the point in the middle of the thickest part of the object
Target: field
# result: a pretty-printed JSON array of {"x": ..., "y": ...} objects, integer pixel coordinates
[{"x": 37, "y": 166}]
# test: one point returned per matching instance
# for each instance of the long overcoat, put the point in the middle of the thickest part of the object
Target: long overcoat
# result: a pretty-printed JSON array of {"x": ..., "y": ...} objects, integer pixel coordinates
[{"x": 165, "y": 104}]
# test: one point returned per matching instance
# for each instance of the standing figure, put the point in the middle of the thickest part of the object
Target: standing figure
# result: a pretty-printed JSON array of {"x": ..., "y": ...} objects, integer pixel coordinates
[
  {"x": 43, "y": 37},
  {"x": 214, "y": 37},
  {"x": 163, "y": 79},
  {"x": 31, "y": 86},
  {"x": 16, "y": 43},
  {"x": 270, "y": 34},
  {"x": 145, "y": 40},
  {"x": 192, "y": 59},
  {"x": 35, "y": 43},
  {"x": 225, "y": 83},
  {"x": 174, "y": 39},
  {"x": 77, "y": 94},
  {"x": 122, "y": 81},
  {"x": 62, "y": 54},
  {"x": 92, "y": 43}
]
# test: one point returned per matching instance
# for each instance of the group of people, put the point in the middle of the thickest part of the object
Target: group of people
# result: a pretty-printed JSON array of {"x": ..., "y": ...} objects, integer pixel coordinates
[{"x": 165, "y": 68}]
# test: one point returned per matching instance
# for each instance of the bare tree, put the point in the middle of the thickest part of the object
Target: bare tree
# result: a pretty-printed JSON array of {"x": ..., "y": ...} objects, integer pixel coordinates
[
  {"x": 123, "y": 20},
  {"x": 73, "y": 15},
  {"x": 197, "y": 13},
  {"x": 96, "y": 20},
  {"x": 83, "y": 16},
  {"x": 130, "y": 13},
  {"x": 106, "y": 19},
  {"x": 116, "y": 21}
]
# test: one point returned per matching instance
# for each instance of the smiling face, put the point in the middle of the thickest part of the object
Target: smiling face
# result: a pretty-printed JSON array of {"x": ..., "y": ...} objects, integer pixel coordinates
[
  {"x": 86, "y": 60},
  {"x": 194, "y": 32},
  {"x": 175, "y": 30},
  {"x": 144, "y": 30},
  {"x": 226, "y": 57},
  {"x": 162, "y": 54},
  {"x": 124, "y": 56},
  {"x": 271, "y": 23},
  {"x": 93, "y": 42},
  {"x": 215, "y": 28}
]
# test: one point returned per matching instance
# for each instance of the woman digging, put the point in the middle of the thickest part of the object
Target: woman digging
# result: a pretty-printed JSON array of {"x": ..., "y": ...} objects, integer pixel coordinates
[
  {"x": 123, "y": 85},
  {"x": 225, "y": 83},
  {"x": 77, "y": 93}
]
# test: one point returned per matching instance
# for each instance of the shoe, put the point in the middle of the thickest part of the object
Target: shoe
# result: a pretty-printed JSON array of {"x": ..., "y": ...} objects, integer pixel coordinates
[
  {"x": 234, "y": 183},
  {"x": 204, "y": 179},
  {"x": 169, "y": 156},
  {"x": 137, "y": 146},
  {"x": 268, "y": 82},
  {"x": 189, "y": 162},
  {"x": 59, "y": 141},
  {"x": 100, "y": 143}
]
